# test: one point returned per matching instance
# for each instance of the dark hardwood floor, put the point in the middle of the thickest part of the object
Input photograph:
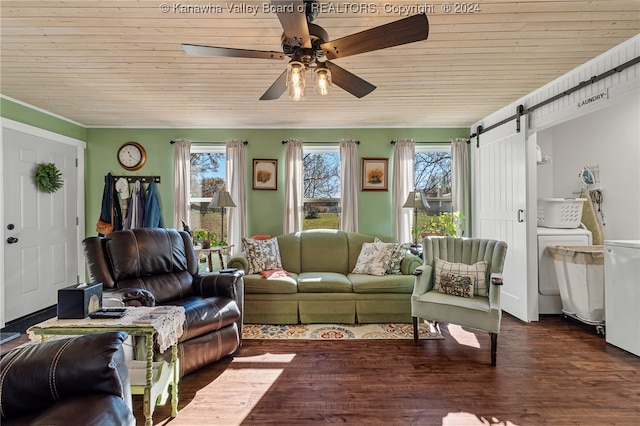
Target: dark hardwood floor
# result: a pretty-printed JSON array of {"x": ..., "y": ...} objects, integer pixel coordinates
[{"x": 552, "y": 372}]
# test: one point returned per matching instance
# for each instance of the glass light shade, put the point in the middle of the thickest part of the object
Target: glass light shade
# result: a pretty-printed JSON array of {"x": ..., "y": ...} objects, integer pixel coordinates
[
  {"x": 295, "y": 80},
  {"x": 322, "y": 81}
]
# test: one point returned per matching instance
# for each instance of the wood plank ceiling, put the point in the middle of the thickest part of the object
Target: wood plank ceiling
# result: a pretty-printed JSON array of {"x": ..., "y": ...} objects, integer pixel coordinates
[{"x": 120, "y": 63}]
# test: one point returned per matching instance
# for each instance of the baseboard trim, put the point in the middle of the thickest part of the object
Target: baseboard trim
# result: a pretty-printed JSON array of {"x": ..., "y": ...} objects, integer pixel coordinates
[{"x": 20, "y": 325}]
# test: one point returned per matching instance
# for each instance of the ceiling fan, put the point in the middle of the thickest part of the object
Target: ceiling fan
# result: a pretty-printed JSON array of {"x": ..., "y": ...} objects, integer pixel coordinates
[{"x": 307, "y": 47}]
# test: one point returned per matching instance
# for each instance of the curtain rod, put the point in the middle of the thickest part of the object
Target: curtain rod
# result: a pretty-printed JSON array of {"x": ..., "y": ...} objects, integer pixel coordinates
[
  {"x": 433, "y": 142},
  {"x": 243, "y": 142},
  {"x": 323, "y": 143}
]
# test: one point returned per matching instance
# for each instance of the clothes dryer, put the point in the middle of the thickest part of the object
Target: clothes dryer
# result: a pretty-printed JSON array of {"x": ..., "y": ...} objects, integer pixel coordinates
[{"x": 549, "y": 301}]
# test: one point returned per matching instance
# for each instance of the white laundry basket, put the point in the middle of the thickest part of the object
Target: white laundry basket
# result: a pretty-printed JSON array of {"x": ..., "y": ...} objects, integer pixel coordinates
[
  {"x": 580, "y": 273},
  {"x": 560, "y": 212}
]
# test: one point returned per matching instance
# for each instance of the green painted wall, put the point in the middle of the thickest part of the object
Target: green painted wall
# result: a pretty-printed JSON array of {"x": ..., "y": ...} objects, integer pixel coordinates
[
  {"x": 23, "y": 114},
  {"x": 265, "y": 208}
]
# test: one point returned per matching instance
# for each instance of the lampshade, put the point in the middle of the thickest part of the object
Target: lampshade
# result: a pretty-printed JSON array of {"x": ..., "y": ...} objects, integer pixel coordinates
[
  {"x": 322, "y": 80},
  {"x": 295, "y": 81},
  {"x": 416, "y": 200},
  {"x": 221, "y": 199}
]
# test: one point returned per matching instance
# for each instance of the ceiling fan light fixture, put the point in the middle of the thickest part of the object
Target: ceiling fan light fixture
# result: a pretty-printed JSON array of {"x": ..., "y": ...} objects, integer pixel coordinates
[
  {"x": 295, "y": 81},
  {"x": 308, "y": 45},
  {"x": 322, "y": 77}
]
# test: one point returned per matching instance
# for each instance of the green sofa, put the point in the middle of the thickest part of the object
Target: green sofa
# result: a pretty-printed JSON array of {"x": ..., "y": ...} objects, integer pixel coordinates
[{"x": 320, "y": 287}]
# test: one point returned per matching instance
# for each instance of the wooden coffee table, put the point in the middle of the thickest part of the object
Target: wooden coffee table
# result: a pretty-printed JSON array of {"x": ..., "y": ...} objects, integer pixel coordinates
[{"x": 161, "y": 325}]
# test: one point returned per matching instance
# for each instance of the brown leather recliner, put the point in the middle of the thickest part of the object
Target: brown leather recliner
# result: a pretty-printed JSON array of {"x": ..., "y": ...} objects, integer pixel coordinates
[
  {"x": 148, "y": 266},
  {"x": 72, "y": 381}
]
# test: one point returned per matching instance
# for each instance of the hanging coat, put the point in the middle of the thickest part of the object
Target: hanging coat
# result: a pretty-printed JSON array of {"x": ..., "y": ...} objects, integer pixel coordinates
[
  {"x": 135, "y": 214},
  {"x": 152, "y": 211},
  {"x": 122, "y": 188},
  {"x": 110, "y": 211}
]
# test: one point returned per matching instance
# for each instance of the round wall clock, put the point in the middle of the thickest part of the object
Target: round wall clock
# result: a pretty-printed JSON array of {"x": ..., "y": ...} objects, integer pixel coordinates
[{"x": 131, "y": 156}]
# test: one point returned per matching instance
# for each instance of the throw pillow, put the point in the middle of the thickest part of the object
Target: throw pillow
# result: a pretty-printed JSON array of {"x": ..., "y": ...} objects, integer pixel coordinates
[
  {"x": 373, "y": 258},
  {"x": 477, "y": 272},
  {"x": 272, "y": 274},
  {"x": 262, "y": 254},
  {"x": 456, "y": 285},
  {"x": 395, "y": 257}
]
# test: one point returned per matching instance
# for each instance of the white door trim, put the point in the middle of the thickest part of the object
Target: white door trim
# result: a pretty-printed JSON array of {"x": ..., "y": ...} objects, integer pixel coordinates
[{"x": 45, "y": 134}]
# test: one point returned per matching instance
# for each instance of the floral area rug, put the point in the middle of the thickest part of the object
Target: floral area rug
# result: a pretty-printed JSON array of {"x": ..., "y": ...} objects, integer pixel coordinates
[{"x": 339, "y": 331}]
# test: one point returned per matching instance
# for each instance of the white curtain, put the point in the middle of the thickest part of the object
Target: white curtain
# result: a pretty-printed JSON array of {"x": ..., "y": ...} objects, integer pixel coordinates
[
  {"x": 181, "y": 182},
  {"x": 294, "y": 186},
  {"x": 403, "y": 160},
  {"x": 349, "y": 182},
  {"x": 236, "y": 185},
  {"x": 460, "y": 180}
]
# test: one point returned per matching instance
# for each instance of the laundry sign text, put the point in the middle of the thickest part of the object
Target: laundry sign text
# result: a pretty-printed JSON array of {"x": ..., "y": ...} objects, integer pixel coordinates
[{"x": 598, "y": 97}]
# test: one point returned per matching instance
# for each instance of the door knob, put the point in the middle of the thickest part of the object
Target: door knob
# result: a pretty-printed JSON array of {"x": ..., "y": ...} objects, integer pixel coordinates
[{"x": 12, "y": 240}]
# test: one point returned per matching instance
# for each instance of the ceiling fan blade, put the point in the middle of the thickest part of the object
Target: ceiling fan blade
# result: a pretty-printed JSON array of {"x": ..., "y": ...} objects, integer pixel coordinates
[
  {"x": 349, "y": 81},
  {"x": 277, "y": 88},
  {"x": 407, "y": 30},
  {"x": 293, "y": 19},
  {"x": 195, "y": 49}
]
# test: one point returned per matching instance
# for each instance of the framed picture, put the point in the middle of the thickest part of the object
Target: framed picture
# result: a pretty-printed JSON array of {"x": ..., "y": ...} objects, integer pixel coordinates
[
  {"x": 375, "y": 176},
  {"x": 265, "y": 174}
]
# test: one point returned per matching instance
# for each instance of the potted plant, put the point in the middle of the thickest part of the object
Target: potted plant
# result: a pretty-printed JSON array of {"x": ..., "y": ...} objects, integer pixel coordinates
[
  {"x": 445, "y": 224},
  {"x": 205, "y": 238},
  {"x": 416, "y": 231}
]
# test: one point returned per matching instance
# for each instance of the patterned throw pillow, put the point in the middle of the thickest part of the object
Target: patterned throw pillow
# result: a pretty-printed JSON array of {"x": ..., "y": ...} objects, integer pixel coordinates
[
  {"x": 476, "y": 272},
  {"x": 456, "y": 285},
  {"x": 395, "y": 257},
  {"x": 397, "y": 254},
  {"x": 373, "y": 258},
  {"x": 262, "y": 254}
]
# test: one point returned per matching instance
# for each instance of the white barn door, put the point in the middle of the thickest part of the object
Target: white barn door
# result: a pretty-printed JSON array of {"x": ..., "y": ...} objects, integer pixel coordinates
[{"x": 499, "y": 200}]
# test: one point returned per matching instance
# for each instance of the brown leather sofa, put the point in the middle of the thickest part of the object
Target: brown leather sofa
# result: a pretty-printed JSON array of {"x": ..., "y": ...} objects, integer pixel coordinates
[
  {"x": 73, "y": 381},
  {"x": 160, "y": 266}
]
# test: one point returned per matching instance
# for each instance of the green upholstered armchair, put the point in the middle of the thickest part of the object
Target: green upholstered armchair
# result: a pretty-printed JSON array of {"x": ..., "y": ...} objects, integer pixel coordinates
[{"x": 441, "y": 292}]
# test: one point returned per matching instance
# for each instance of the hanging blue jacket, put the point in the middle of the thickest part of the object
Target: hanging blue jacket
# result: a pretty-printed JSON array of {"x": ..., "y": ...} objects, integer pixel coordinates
[
  {"x": 110, "y": 203},
  {"x": 152, "y": 211}
]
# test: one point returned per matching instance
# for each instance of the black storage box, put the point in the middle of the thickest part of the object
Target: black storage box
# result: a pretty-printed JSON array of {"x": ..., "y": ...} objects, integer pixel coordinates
[{"x": 78, "y": 300}]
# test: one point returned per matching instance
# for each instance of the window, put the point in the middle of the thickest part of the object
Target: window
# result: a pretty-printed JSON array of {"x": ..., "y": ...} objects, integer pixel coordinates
[
  {"x": 208, "y": 175},
  {"x": 432, "y": 175},
  {"x": 321, "y": 187}
]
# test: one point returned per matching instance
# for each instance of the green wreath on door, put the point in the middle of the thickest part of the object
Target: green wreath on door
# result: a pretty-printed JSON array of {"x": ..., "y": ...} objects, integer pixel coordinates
[{"x": 48, "y": 178}]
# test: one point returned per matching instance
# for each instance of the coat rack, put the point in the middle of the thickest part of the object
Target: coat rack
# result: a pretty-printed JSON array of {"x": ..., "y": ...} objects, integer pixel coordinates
[{"x": 142, "y": 179}]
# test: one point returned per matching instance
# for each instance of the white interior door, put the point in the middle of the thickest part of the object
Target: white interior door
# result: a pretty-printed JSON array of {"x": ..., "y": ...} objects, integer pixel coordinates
[
  {"x": 500, "y": 199},
  {"x": 40, "y": 230}
]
